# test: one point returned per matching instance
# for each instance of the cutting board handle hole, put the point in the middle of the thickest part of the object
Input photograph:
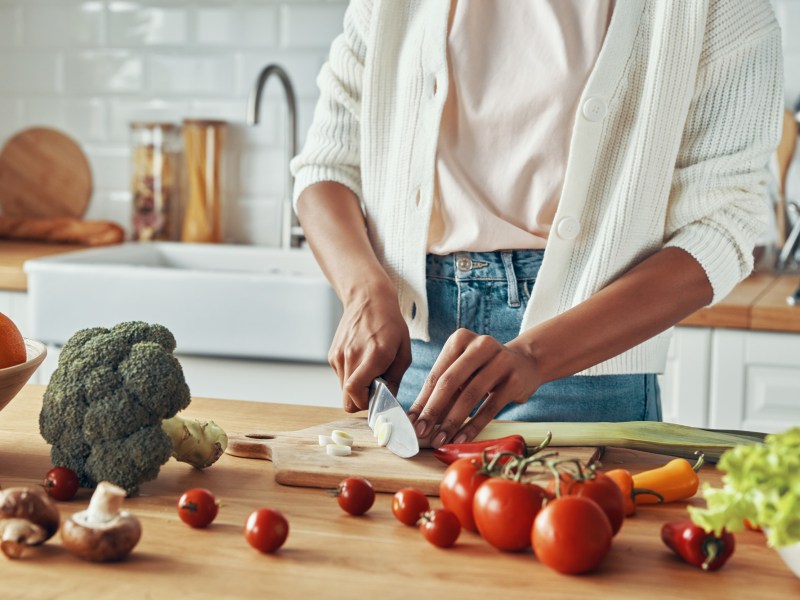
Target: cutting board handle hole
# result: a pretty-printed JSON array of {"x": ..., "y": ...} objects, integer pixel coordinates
[{"x": 260, "y": 436}]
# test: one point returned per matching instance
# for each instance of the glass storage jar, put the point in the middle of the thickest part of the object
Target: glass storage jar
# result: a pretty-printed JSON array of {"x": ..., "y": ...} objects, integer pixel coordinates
[{"x": 155, "y": 181}]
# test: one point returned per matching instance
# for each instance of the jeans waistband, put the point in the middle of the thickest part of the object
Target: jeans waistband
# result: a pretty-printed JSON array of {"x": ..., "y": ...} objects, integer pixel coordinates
[{"x": 497, "y": 265}]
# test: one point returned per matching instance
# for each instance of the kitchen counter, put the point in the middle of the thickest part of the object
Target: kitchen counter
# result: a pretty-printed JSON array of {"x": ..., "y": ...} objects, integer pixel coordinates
[
  {"x": 14, "y": 254},
  {"x": 331, "y": 554}
]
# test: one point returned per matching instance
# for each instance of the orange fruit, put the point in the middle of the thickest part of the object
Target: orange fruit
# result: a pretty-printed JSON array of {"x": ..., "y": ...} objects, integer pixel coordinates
[{"x": 12, "y": 346}]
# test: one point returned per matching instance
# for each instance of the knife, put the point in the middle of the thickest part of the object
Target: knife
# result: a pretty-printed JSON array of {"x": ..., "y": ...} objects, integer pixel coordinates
[{"x": 384, "y": 408}]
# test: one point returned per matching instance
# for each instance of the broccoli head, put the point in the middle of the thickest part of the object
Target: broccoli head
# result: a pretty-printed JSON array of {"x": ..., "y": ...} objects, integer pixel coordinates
[{"x": 110, "y": 408}]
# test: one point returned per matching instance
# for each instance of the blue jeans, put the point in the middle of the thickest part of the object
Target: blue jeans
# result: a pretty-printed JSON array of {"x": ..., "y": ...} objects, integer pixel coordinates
[{"x": 487, "y": 292}]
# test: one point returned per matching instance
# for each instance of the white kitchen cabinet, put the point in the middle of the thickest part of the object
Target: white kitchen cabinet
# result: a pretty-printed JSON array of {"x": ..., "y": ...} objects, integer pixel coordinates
[
  {"x": 684, "y": 383},
  {"x": 755, "y": 380}
]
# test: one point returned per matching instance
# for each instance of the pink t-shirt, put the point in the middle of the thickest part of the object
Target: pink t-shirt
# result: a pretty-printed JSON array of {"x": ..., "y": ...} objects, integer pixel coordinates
[{"x": 517, "y": 70}]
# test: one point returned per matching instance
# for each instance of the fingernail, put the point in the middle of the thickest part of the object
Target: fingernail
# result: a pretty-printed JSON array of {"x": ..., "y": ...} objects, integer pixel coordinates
[
  {"x": 420, "y": 428},
  {"x": 439, "y": 440},
  {"x": 460, "y": 438}
]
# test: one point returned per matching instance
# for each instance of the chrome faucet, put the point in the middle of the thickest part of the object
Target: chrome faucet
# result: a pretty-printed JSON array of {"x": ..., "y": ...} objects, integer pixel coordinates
[{"x": 291, "y": 232}]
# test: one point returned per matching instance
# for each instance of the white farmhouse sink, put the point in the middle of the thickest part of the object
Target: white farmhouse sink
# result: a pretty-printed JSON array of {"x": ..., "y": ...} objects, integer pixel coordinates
[{"x": 218, "y": 300}]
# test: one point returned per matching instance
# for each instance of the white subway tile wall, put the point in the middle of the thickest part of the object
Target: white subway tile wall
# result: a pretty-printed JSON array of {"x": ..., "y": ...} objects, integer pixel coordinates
[
  {"x": 788, "y": 14},
  {"x": 90, "y": 67}
]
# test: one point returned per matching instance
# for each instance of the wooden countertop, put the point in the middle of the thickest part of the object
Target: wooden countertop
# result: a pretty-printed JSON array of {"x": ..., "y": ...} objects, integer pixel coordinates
[
  {"x": 333, "y": 555},
  {"x": 14, "y": 254}
]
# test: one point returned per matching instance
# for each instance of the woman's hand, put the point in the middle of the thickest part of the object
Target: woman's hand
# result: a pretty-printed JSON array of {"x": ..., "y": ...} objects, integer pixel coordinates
[
  {"x": 472, "y": 369},
  {"x": 372, "y": 340}
]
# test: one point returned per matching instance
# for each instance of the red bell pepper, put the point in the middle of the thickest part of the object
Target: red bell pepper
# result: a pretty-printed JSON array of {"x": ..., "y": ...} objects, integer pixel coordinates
[
  {"x": 449, "y": 453},
  {"x": 696, "y": 546}
]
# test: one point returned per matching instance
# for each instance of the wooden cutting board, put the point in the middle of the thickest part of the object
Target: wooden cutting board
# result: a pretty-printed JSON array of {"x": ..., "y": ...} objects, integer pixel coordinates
[
  {"x": 299, "y": 460},
  {"x": 44, "y": 173}
]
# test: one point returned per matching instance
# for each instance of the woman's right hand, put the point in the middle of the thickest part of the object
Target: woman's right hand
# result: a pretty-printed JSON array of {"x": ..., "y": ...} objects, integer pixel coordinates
[{"x": 372, "y": 340}]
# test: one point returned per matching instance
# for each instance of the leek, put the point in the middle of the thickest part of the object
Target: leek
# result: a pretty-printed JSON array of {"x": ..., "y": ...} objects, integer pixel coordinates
[{"x": 650, "y": 436}]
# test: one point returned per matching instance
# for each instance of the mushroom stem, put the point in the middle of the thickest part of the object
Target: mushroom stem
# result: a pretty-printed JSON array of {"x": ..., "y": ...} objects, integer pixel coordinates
[
  {"x": 18, "y": 533},
  {"x": 105, "y": 503}
]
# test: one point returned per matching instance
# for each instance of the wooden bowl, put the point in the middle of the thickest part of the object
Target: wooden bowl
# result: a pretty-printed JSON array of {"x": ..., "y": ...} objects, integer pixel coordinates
[{"x": 12, "y": 379}]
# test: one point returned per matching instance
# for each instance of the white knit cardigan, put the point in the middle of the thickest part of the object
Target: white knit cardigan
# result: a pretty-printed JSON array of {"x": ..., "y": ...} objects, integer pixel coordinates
[{"x": 670, "y": 146}]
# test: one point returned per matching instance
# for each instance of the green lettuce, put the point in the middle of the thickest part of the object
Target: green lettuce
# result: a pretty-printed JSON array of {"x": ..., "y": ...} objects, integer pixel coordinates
[{"x": 761, "y": 484}]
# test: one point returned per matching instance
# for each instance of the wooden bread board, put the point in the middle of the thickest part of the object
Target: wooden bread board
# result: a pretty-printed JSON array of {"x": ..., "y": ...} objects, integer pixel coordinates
[
  {"x": 299, "y": 460},
  {"x": 43, "y": 174}
]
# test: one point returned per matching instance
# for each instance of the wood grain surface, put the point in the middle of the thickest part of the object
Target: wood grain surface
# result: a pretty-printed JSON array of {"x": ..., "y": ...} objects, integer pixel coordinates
[
  {"x": 332, "y": 555},
  {"x": 44, "y": 173},
  {"x": 299, "y": 460}
]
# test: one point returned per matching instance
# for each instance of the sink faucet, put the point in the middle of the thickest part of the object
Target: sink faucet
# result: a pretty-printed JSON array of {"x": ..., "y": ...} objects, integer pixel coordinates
[{"x": 291, "y": 232}]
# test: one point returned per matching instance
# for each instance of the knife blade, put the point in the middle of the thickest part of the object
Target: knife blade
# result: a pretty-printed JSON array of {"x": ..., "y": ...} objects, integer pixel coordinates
[{"x": 403, "y": 439}]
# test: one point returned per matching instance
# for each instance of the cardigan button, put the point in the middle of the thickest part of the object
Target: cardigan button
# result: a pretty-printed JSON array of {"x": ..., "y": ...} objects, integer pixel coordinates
[
  {"x": 594, "y": 109},
  {"x": 568, "y": 228}
]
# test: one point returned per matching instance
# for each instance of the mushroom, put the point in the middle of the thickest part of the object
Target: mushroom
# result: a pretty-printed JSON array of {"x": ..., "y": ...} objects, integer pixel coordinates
[
  {"x": 102, "y": 533},
  {"x": 28, "y": 517}
]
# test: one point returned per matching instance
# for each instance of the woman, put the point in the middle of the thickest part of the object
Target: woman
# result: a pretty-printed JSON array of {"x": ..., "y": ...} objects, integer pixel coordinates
[{"x": 504, "y": 195}]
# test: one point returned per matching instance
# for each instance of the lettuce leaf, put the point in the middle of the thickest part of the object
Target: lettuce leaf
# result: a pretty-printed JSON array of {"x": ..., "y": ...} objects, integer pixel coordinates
[{"x": 761, "y": 484}]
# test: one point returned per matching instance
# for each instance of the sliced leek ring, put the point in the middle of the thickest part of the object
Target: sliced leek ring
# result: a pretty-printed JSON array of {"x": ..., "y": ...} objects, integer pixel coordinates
[
  {"x": 341, "y": 437},
  {"x": 384, "y": 433},
  {"x": 324, "y": 440},
  {"x": 378, "y": 422},
  {"x": 338, "y": 450}
]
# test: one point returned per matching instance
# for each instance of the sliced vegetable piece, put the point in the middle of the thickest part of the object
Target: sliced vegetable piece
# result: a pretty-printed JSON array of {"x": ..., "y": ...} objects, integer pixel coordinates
[
  {"x": 324, "y": 440},
  {"x": 384, "y": 433},
  {"x": 378, "y": 422},
  {"x": 341, "y": 437},
  {"x": 338, "y": 450}
]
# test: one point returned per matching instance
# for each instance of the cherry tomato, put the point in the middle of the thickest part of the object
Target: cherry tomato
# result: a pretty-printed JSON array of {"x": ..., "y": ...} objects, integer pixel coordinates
[
  {"x": 457, "y": 489},
  {"x": 600, "y": 488},
  {"x": 504, "y": 511},
  {"x": 440, "y": 527},
  {"x": 61, "y": 483},
  {"x": 408, "y": 504},
  {"x": 571, "y": 534},
  {"x": 355, "y": 495},
  {"x": 266, "y": 530},
  {"x": 198, "y": 507}
]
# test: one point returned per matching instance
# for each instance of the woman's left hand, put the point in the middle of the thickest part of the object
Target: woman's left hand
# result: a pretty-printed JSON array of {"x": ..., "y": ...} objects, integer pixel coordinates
[{"x": 472, "y": 369}]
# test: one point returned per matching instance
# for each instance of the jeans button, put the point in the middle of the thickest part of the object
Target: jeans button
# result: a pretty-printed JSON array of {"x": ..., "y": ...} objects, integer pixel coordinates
[{"x": 463, "y": 263}]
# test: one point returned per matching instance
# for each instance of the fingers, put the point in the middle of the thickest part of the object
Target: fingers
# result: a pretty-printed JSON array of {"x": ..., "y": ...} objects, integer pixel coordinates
[
  {"x": 493, "y": 404},
  {"x": 459, "y": 380}
]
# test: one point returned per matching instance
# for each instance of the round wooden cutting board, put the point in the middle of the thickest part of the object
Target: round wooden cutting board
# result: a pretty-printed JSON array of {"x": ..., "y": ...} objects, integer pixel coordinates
[{"x": 44, "y": 173}]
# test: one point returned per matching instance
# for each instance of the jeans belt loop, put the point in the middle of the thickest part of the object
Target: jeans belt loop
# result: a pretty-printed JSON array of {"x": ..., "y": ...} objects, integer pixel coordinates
[{"x": 511, "y": 278}]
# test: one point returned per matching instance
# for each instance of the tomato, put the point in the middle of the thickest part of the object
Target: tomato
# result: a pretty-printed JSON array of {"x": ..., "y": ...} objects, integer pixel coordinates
[
  {"x": 355, "y": 495},
  {"x": 600, "y": 488},
  {"x": 504, "y": 511},
  {"x": 571, "y": 534},
  {"x": 440, "y": 527},
  {"x": 61, "y": 483},
  {"x": 198, "y": 507},
  {"x": 458, "y": 486},
  {"x": 408, "y": 504},
  {"x": 266, "y": 530}
]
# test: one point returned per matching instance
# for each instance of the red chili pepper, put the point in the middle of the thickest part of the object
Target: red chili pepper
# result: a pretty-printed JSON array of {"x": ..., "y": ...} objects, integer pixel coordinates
[
  {"x": 696, "y": 546},
  {"x": 449, "y": 453}
]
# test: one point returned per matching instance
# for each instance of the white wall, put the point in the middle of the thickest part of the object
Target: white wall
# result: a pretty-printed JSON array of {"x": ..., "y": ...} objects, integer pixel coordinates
[
  {"x": 788, "y": 14},
  {"x": 89, "y": 67}
]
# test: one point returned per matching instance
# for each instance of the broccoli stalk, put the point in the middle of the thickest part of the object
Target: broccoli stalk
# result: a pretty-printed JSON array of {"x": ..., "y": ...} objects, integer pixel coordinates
[
  {"x": 199, "y": 443},
  {"x": 109, "y": 407}
]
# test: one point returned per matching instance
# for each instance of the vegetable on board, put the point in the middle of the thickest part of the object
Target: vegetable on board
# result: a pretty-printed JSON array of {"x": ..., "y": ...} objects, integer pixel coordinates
[
  {"x": 110, "y": 408},
  {"x": 676, "y": 480},
  {"x": 449, "y": 453},
  {"x": 695, "y": 546},
  {"x": 28, "y": 517}
]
